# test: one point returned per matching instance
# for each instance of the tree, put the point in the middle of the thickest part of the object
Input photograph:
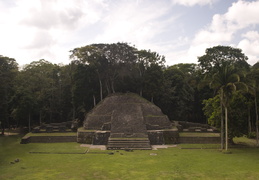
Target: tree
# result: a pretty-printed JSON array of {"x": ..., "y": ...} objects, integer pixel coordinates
[
  {"x": 237, "y": 115},
  {"x": 42, "y": 94},
  {"x": 8, "y": 71},
  {"x": 106, "y": 59},
  {"x": 83, "y": 89},
  {"x": 115, "y": 63},
  {"x": 192, "y": 94},
  {"x": 177, "y": 95},
  {"x": 153, "y": 81},
  {"x": 220, "y": 64},
  {"x": 212, "y": 110},
  {"x": 214, "y": 58},
  {"x": 253, "y": 79},
  {"x": 144, "y": 60}
]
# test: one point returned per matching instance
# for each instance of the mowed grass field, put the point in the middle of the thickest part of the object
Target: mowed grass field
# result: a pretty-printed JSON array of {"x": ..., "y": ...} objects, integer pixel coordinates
[{"x": 71, "y": 161}]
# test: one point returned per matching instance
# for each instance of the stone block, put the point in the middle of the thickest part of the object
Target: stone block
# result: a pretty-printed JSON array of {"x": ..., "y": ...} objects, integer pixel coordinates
[
  {"x": 101, "y": 137},
  {"x": 49, "y": 129},
  {"x": 62, "y": 128},
  {"x": 36, "y": 129}
]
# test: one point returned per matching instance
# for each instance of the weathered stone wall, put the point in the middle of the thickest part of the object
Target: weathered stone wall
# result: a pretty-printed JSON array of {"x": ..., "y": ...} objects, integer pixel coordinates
[
  {"x": 128, "y": 119},
  {"x": 25, "y": 140},
  {"x": 199, "y": 140},
  {"x": 96, "y": 122},
  {"x": 186, "y": 125},
  {"x": 85, "y": 137},
  {"x": 48, "y": 139},
  {"x": 157, "y": 122},
  {"x": 125, "y": 108},
  {"x": 156, "y": 137},
  {"x": 171, "y": 137},
  {"x": 101, "y": 137},
  {"x": 92, "y": 137}
]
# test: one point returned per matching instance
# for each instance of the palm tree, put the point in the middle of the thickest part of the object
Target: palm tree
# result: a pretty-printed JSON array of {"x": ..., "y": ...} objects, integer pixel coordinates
[
  {"x": 254, "y": 87},
  {"x": 220, "y": 63},
  {"x": 225, "y": 81}
]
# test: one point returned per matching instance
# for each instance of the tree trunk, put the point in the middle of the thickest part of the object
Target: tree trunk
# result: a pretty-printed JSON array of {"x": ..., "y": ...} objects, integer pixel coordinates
[
  {"x": 29, "y": 122},
  {"x": 141, "y": 79},
  {"x": 226, "y": 128},
  {"x": 107, "y": 87},
  {"x": 50, "y": 116},
  {"x": 40, "y": 117},
  {"x": 112, "y": 86},
  {"x": 94, "y": 100},
  {"x": 256, "y": 122},
  {"x": 101, "y": 89},
  {"x": 3, "y": 129},
  {"x": 249, "y": 121},
  {"x": 101, "y": 86},
  {"x": 222, "y": 120},
  {"x": 222, "y": 127},
  {"x": 112, "y": 81},
  {"x": 74, "y": 112}
]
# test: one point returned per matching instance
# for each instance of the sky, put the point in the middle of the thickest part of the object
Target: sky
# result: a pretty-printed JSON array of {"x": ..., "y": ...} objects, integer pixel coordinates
[{"x": 181, "y": 30}]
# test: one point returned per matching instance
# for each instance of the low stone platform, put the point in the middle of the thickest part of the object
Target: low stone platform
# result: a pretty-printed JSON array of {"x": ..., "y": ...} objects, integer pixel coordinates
[
  {"x": 129, "y": 143},
  {"x": 155, "y": 137},
  {"x": 51, "y": 138},
  {"x": 53, "y": 127},
  {"x": 199, "y": 138}
]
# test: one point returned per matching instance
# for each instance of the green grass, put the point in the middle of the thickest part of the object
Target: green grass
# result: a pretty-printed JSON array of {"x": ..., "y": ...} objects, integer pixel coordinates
[
  {"x": 171, "y": 163},
  {"x": 199, "y": 146},
  {"x": 245, "y": 141}
]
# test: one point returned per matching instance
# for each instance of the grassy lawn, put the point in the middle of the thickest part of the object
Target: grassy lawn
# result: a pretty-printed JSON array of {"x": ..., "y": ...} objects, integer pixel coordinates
[
  {"x": 245, "y": 141},
  {"x": 173, "y": 163}
]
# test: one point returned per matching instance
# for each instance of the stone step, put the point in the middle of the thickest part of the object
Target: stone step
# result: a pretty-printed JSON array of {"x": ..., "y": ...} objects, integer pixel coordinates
[
  {"x": 123, "y": 148},
  {"x": 129, "y": 143},
  {"x": 134, "y": 135},
  {"x": 127, "y": 140},
  {"x": 133, "y": 143},
  {"x": 129, "y": 147}
]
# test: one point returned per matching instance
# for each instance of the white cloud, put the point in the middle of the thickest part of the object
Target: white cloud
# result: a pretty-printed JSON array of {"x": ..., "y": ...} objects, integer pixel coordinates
[
  {"x": 41, "y": 26},
  {"x": 135, "y": 22},
  {"x": 250, "y": 45},
  {"x": 54, "y": 14},
  {"x": 251, "y": 35},
  {"x": 194, "y": 2},
  {"x": 33, "y": 29},
  {"x": 242, "y": 14},
  {"x": 225, "y": 28},
  {"x": 138, "y": 23}
]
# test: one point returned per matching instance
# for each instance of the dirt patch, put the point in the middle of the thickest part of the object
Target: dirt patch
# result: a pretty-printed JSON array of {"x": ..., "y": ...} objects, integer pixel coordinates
[
  {"x": 101, "y": 147},
  {"x": 155, "y": 147}
]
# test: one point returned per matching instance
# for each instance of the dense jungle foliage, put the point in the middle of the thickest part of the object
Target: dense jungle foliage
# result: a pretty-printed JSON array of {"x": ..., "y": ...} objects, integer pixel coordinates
[{"x": 221, "y": 88}]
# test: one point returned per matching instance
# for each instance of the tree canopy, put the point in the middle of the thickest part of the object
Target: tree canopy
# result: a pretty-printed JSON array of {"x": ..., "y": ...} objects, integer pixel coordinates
[{"x": 46, "y": 92}]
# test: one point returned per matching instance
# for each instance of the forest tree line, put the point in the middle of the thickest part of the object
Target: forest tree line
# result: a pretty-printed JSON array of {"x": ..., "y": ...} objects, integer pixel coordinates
[{"x": 221, "y": 87}]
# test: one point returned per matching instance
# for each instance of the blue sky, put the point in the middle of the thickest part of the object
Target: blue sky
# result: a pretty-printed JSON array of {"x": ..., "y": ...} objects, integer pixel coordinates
[{"x": 180, "y": 30}]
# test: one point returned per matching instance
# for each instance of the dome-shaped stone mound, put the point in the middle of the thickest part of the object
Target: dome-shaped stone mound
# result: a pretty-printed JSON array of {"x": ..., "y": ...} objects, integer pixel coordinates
[
  {"x": 128, "y": 110},
  {"x": 123, "y": 121}
]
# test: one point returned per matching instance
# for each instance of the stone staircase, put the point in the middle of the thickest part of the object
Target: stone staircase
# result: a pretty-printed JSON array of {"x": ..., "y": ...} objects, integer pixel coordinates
[
  {"x": 129, "y": 143},
  {"x": 128, "y": 130}
]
